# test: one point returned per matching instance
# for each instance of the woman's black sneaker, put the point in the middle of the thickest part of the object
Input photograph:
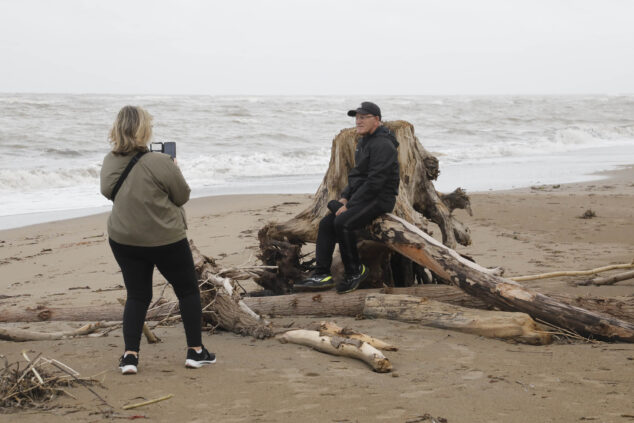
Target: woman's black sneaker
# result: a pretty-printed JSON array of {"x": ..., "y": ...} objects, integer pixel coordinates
[
  {"x": 316, "y": 282},
  {"x": 128, "y": 364},
  {"x": 196, "y": 360},
  {"x": 352, "y": 282}
]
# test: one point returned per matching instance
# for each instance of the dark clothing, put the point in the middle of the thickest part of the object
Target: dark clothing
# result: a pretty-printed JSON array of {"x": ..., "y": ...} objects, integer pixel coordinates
[
  {"x": 333, "y": 229},
  {"x": 371, "y": 191},
  {"x": 375, "y": 175},
  {"x": 176, "y": 264}
]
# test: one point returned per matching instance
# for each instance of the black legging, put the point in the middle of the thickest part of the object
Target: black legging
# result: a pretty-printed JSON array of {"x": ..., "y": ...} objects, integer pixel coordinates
[
  {"x": 176, "y": 264},
  {"x": 341, "y": 229}
]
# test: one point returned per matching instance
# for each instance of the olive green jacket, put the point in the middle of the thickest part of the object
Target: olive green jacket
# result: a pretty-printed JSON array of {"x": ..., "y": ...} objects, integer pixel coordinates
[{"x": 147, "y": 210}]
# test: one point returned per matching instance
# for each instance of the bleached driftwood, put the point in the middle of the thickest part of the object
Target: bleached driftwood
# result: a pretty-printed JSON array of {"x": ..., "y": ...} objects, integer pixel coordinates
[
  {"x": 608, "y": 280},
  {"x": 222, "y": 304},
  {"x": 572, "y": 272},
  {"x": 332, "y": 329},
  {"x": 23, "y": 335},
  {"x": 340, "y": 346},
  {"x": 503, "y": 293},
  {"x": 518, "y": 327}
]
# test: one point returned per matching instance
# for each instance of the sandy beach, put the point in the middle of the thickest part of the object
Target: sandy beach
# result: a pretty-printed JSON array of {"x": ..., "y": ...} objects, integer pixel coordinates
[{"x": 460, "y": 377}]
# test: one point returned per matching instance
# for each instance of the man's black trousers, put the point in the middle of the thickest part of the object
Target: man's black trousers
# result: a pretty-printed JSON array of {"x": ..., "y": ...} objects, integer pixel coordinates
[{"x": 341, "y": 229}]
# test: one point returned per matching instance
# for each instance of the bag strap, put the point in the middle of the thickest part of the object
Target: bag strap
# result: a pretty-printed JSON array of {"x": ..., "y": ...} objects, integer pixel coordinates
[{"x": 127, "y": 170}]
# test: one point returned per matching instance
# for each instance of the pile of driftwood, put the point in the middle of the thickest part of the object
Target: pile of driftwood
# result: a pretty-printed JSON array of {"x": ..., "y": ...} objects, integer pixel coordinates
[{"x": 455, "y": 293}]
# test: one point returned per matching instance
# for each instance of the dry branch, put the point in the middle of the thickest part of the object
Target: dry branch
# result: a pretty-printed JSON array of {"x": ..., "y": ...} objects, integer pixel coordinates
[
  {"x": 572, "y": 272},
  {"x": 332, "y": 329},
  {"x": 339, "y": 346},
  {"x": 608, "y": 280},
  {"x": 222, "y": 304}
]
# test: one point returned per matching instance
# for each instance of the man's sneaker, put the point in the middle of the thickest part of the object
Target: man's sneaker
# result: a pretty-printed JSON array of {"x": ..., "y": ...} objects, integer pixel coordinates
[
  {"x": 128, "y": 363},
  {"x": 196, "y": 360},
  {"x": 352, "y": 282},
  {"x": 316, "y": 282}
]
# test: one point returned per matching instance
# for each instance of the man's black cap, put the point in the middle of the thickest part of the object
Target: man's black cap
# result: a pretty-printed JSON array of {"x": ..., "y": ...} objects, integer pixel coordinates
[{"x": 366, "y": 108}]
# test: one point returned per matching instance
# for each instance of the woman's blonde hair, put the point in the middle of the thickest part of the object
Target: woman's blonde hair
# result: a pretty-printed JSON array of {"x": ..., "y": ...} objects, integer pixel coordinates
[{"x": 131, "y": 130}]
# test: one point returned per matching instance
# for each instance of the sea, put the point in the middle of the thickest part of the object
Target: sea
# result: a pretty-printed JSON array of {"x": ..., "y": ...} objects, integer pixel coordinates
[{"x": 52, "y": 145}]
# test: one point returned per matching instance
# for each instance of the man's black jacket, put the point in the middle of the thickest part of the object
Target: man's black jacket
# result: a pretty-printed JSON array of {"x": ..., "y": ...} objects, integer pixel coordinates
[{"x": 375, "y": 174}]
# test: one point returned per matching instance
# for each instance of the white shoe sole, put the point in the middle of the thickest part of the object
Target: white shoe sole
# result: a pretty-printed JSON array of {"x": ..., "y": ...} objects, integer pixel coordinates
[
  {"x": 193, "y": 364},
  {"x": 128, "y": 370}
]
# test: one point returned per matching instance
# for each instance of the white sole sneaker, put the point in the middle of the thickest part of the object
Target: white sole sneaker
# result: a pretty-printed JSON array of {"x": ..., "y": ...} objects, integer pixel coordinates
[
  {"x": 194, "y": 364},
  {"x": 128, "y": 369}
]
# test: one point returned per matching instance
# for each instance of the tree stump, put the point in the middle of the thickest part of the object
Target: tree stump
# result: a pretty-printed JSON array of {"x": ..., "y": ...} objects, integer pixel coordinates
[{"x": 418, "y": 202}]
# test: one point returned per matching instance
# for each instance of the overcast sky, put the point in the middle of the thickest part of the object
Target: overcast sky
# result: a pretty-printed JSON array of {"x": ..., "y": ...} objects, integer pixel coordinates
[{"x": 348, "y": 47}]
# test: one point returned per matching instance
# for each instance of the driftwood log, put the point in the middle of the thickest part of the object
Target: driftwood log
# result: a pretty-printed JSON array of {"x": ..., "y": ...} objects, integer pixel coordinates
[
  {"x": 23, "y": 335},
  {"x": 502, "y": 293},
  {"x": 329, "y": 303},
  {"x": 608, "y": 280},
  {"x": 518, "y": 327},
  {"x": 417, "y": 202},
  {"x": 332, "y": 329},
  {"x": 341, "y": 346}
]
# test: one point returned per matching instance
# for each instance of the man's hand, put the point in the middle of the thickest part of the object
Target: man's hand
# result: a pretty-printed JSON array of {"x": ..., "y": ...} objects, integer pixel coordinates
[
  {"x": 343, "y": 201},
  {"x": 341, "y": 210}
]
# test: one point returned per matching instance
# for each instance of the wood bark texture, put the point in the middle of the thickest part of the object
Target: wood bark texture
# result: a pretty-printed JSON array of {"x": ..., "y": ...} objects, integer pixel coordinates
[
  {"x": 505, "y": 294},
  {"x": 332, "y": 329},
  {"x": 518, "y": 327},
  {"x": 222, "y": 304}
]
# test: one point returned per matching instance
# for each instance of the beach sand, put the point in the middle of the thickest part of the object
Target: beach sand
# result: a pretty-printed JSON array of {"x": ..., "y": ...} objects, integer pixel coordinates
[{"x": 460, "y": 377}]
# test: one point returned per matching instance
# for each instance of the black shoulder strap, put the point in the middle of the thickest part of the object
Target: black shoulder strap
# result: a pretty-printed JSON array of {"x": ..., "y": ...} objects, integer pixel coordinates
[{"x": 127, "y": 170}]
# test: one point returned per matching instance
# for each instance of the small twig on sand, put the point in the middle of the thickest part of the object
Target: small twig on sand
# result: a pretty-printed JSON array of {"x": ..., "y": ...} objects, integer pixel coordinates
[
  {"x": 64, "y": 368},
  {"x": 607, "y": 280},
  {"x": 566, "y": 333},
  {"x": 573, "y": 272},
  {"x": 141, "y": 404}
]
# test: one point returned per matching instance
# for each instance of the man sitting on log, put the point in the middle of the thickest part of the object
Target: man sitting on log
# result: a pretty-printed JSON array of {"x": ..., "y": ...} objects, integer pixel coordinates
[{"x": 371, "y": 191}]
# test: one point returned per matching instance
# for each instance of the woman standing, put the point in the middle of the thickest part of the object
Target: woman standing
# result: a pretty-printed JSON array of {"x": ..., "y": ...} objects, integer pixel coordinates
[{"x": 147, "y": 228}]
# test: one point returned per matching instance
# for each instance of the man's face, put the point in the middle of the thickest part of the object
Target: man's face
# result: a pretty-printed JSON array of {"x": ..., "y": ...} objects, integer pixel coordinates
[{"x": 366, "y": 124}]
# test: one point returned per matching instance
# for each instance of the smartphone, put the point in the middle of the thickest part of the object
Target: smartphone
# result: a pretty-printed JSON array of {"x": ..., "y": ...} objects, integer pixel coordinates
[{"x": 168, "y": 148}]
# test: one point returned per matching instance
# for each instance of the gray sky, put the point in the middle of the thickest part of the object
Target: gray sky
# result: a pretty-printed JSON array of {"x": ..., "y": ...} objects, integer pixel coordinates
[{"x": 290, "y": 47}]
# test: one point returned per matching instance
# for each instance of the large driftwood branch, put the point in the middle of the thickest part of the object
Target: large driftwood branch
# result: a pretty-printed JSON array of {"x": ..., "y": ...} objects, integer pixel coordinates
[
  {"x": 517, "y": 327},
  {"x": 327, "y": 303},
  {"x": 339, "y": 346},
  {"x": 506, "y": 294}
]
